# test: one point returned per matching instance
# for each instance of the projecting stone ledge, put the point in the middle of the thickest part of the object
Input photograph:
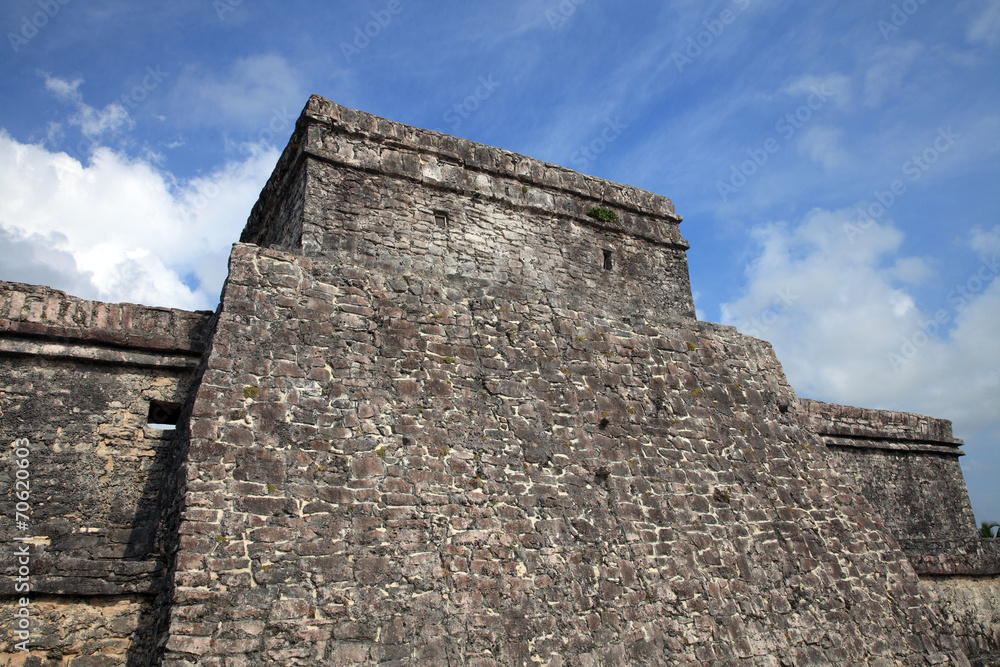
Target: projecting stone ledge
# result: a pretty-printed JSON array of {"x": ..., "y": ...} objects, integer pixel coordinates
[{"x": 43, "y": 315}]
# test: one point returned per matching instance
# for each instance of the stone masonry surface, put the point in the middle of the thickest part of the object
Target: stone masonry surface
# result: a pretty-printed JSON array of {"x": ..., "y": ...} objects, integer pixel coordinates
[
  {"x": 76, "y": 379},
  {"x": 907, "y": 467},
  {"x": 411, "y": 201},
  {"x": 443, "y": 416},
  {"x": 396, "y": 471}
]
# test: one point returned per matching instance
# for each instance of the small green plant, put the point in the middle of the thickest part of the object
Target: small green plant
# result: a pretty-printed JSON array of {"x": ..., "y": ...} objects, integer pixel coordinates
[
  {"x": 250, "y": 391},
  {"x": 447, "y": 360},
  {"x": 524, "y": 189},
  {"x": 986, "y": 529},
  {"x": 221, "y": 539},
  {"x": 271, "y": 488},
  {"x": 380, "y": 452},
  {"x": 603, "y": 214},
  {"x": 691, "y": 346}
]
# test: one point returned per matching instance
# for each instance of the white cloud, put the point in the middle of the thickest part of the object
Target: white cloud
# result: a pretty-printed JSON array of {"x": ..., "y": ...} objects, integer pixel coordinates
[
  {"x": 41, "y": 260},
  {"x": 823, "y": 145},
  {"x": 68, "y": 91},
  {"x": 844, "y": 321},
  {"x": 121, "y": 229},
  {"x": 93, "y": 123},
  {"x": 984, "y": 242}
]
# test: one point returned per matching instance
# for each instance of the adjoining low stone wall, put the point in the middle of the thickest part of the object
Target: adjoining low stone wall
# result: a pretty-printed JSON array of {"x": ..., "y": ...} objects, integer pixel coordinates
[
  {"x": 971, "y": 607},
  {"x": 81, "y": 381},
  {"x": 906, "y": 465},
  {"x": 34, "y": 311},
  {"x": 71, "y": 631}
]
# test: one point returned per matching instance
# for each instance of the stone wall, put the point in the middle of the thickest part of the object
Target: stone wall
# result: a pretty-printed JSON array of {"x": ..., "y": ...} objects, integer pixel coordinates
[
  {"x": 443, "y": 417},
  {"x": 410, "y": 201},
  {"x": 907, "y": 467},
  {"x": 77, "y": 380},
  {"x": 396, "y": 470},
  {"x": 971, "y": 606},
  {"x": 905, "y": 464}
]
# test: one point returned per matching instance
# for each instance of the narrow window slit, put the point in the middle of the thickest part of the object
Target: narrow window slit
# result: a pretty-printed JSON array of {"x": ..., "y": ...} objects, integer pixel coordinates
[
  {"x": 607, "y": 260},
  {"x": 163, "y": 415}
]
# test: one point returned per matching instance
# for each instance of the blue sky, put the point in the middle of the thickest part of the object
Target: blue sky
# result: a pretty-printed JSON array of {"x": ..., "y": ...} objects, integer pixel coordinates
[{"x": 835, "y": 162}]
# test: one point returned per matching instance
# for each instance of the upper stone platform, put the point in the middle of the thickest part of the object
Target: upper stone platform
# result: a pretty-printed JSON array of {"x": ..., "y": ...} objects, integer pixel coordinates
[{"x": 354, "y": 187}]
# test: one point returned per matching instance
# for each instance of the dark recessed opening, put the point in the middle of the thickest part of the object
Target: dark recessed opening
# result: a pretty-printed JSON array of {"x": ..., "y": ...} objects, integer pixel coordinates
[
  {"x": 440, "y": 218},
  {"x": 601, "y": 475},
  {"x": 607, "y": 260},
  {"x": 163, "y": 415}
]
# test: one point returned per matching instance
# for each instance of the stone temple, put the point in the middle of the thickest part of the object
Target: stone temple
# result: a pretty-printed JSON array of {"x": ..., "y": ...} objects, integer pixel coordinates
[{"x": 454, "y": 408}]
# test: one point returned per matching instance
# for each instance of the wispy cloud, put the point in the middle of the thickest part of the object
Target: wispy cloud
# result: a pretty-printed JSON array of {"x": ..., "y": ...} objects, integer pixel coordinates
[
  {"x": 93, "y": 123},
  {"x": 823, "y": 146},
  {"x": 245, "y": 95},
  {"x": 836, "y": 87},
  {"x": 887, "y": 70},
  {"x": 984, "y": 28}
]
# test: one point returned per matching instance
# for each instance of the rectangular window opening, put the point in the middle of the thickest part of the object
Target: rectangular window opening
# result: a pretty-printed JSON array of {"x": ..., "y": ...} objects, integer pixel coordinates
[
  {"x": 163, "y": 415},
  {"x": 607, "y": 260},
  {"x": 440, "y": 218}
]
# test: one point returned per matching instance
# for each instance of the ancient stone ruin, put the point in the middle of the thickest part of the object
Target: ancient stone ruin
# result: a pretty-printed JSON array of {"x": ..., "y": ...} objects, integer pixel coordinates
[{"x": 455, "y": 409}]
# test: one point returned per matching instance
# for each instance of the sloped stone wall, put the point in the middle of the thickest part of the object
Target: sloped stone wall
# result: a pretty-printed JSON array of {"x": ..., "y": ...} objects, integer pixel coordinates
[{"x": 401, "y": 470}]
